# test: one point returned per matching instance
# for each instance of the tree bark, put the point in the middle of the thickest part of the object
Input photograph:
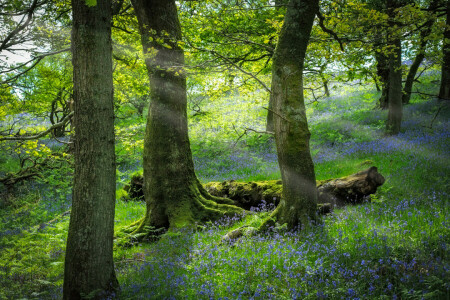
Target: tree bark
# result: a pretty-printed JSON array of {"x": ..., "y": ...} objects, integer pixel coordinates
[
  {"x": 279, "y": 5},
  {"x": 383, "y": 74},
  {"x": 444, "y": 91},
  {"x": 395, "y": 113},
  {"x": 394, "y": 120},
  {"x": 174, "y": 196},
  {"x": 424, "y": 33},
  {"x": 299, "y": 201},
  {"x": 89, "y": 267}
]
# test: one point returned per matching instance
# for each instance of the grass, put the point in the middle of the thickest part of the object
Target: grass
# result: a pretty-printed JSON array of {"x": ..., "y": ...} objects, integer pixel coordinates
[{"x": 396, "y": 247}]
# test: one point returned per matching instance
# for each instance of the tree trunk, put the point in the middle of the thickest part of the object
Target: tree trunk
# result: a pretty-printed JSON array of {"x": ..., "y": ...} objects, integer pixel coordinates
[
  {"x": 394, "y": 120},
  {"x": 325, "y": 86},
  {"x": 269, "y": 120},
  {"x": 444, "y": 92},
  {"x": 174, "y": 196},
  {"x": 395, "y": 113},
  {"x": 383, "y": 74},
  {"x": 89, "y": 267},
  {"x": 424, "y": 33},
  {"x": 279, "y": 6},
  {"x": 299, "y": 201}
]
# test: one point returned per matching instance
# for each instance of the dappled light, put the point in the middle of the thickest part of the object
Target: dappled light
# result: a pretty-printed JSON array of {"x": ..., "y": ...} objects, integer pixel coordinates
[{"x": 286, "y": 149}]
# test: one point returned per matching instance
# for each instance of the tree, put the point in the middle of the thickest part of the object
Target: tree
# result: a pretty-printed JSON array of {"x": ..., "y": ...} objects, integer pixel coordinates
[
  {"x": 299, "y": 201},
  {"x": 89, "y": 268},
  {"x": 394, "y": 120},
  {"x": 269, "y": 120},
  {"x": 444, "y": 91},
  {"x": 174, "y": 196},
  {"x": 420, "y": 56}
]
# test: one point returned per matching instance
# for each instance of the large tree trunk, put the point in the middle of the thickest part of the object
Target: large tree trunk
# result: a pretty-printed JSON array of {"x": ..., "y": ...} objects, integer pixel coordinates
[
  {"x": 424, "y": 33},
  {"x": 299, "y": 203},
  {"x": 279, "y": 5},
  {"x": 395, "y": 113},
  {"x": 89, "y": 267},
  {"x": 444, "y": 92},
  {"x": 174, "y": 196}
]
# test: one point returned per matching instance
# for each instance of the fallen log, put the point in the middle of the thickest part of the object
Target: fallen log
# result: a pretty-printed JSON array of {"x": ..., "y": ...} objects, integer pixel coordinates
[{"x": 352, "y": 189}]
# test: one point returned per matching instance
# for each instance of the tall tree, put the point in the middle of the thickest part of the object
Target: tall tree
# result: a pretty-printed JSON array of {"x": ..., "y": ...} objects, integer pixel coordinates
[
  {"x": 89, "y": 267},
  {"x": 269, "y": 121},
  {"x": 395, "y": 113},
  {"x": 174, "y": 196},
  {"x": 420, "y": 55},
  {"x": 299, "y": 201},
  {"x": 444, "y": 92}
]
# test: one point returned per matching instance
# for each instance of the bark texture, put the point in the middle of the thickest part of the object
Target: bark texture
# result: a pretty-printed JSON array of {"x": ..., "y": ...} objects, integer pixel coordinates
[
  {"x": 395, "y": 113},
  {"x": 383, "y": 75},
  {"x": 299, "y": 201},
  {"x": 279, "y": 4},
  {"x": 174, "y": 196},
  {"x": 394, "y": 120},
  {"x": 444, "y": 91},
  {"x": 89, "y": 267}
]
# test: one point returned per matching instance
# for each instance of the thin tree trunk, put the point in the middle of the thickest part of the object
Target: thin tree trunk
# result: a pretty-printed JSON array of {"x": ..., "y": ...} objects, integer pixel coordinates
[
  {"x": 174, "y": 196},
  {"x": 89, "y": 267},
  {"x": 325, "y": 86},
  {"x": 424, "y": 33},
  {"x": 298, "y": 205},
  {"x": 444, "y": 92}
]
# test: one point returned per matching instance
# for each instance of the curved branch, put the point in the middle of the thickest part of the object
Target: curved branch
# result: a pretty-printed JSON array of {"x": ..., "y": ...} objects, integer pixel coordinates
[
  {"x": 44, "y": 133},
  {"x": 329, "y": 31}
]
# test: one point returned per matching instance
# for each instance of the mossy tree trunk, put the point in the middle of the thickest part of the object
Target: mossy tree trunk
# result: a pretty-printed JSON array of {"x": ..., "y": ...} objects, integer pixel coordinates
[
  {"x": 279, "y": 6},
  {"x": 174, "y": 196},
  {"x": 89, "y": 267},
  {"x": 395, "y": 113},
  {"x": 299, "y": 201},
  {"x": 444, "y": 91},
  {"x": 424, "y": 33}
]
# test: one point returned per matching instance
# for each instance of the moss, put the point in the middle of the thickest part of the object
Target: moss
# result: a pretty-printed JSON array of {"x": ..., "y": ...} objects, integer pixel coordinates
[{"x": 122, "y": 194}]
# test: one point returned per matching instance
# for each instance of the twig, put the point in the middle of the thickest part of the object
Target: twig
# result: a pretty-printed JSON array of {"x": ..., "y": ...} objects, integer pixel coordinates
[{"x": 434, "y": 118}]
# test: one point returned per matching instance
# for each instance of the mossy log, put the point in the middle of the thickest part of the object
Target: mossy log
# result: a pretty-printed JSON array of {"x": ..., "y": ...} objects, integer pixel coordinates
[{"x": 352, "y": 189}]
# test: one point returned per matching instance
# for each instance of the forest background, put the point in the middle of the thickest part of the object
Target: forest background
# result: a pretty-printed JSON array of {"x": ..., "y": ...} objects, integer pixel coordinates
[{"x": 394, "y": 246}]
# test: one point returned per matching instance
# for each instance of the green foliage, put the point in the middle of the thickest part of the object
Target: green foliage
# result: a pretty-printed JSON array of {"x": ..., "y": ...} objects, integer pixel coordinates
[{"x": 91, "y": 2}]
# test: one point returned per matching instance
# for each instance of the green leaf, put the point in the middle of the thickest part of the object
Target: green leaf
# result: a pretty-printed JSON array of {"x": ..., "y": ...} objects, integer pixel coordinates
[{"x": 91, "y": 3}]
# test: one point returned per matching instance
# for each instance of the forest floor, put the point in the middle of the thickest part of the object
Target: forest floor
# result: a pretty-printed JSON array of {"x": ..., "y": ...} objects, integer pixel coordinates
[{"x": 396, "y": 247}]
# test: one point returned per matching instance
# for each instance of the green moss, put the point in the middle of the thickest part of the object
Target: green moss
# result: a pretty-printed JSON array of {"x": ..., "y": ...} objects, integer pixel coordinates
[{"x": 122, "y": 194}]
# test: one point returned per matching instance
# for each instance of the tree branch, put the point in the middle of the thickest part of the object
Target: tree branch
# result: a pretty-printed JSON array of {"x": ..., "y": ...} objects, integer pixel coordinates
[
  {"x": 329, "y": 31},
  {"x": 44, "y": 133}
]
